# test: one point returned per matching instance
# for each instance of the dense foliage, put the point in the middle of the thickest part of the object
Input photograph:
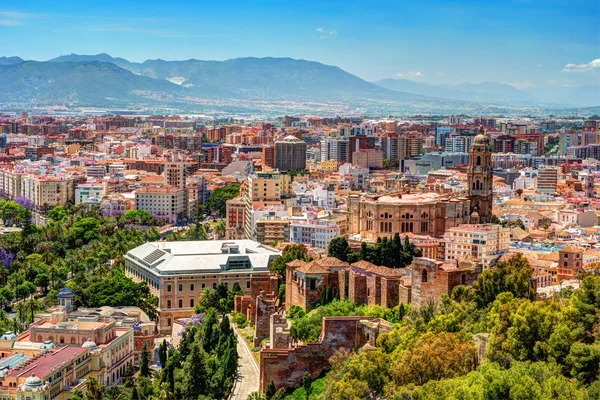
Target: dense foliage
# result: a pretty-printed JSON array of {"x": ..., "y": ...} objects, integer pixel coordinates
[
  {"x": 79, "y": 248},
  {"x": 216, "y": 201},
  {"x": 387, "y": 252},
  {"x": 203, "y": 367},
  {"x": 536, "y": 349}
]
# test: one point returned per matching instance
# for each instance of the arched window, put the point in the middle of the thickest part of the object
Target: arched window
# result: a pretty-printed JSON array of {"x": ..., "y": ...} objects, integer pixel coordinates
[
  {"x": 424, "y": 276},
  {"x": 566, "y": 263},
  {"x": 478, "y": 160},
  {"x": 62, "y": 339}
]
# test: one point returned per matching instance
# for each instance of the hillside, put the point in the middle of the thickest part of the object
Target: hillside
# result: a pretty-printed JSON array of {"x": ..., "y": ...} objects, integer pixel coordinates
[
  {"x": 255, "y": 78},
  {"x": 84, "y": 83}
]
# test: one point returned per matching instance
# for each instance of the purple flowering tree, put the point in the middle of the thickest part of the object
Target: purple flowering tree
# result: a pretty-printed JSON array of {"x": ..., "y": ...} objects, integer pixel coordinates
[{"x": 25, "y": 202}]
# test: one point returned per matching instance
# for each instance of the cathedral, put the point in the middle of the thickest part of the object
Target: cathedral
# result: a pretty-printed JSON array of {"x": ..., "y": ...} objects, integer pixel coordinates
[{"x": 480, "y": 179}]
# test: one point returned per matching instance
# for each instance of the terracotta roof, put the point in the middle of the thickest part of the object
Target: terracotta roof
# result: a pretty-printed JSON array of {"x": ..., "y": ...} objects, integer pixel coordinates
[
  {"x": 554, "y": 256},
  {"x": 572, "y": 249},
  {"x": 331, "y": 262},
  {"x": 296, "y": 263},
  {"x": 379, "y": 270},
  {"x": 313, "y": 268}
]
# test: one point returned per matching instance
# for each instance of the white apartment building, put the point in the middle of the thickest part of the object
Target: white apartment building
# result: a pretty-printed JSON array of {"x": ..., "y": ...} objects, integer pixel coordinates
[
  {"x": 85, "y": 191},
  {"x": 484, "y": 242},
  {"x": 168, "y": 202},
  {"x": 315, "y": 233}
]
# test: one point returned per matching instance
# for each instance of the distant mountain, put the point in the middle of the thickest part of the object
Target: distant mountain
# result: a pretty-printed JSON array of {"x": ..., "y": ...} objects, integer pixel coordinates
[
  {"x": 10, "y": 60},
  {"x": 485, "y": 91},
  {"x": 254, "y": 78},
  {"x": 90, "y": 83}
]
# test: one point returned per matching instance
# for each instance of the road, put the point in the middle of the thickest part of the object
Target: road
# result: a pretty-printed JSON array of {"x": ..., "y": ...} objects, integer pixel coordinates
[{"x": 248, "y": 374}]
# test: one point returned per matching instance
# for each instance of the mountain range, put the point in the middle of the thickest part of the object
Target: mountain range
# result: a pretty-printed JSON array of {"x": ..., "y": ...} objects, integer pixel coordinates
[{"x": 104, "y": 81}]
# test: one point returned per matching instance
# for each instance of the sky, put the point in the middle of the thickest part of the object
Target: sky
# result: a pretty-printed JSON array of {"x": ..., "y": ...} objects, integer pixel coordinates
[{"x": 530, "y": 44}]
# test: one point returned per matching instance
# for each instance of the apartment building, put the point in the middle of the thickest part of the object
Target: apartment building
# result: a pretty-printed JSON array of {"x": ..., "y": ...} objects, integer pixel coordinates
[
  {"x": 483, "y": 242},
  {"x": 234, "y": 218},
  {"x": 167, "y": 202},
  {"x": 272, "y": 230},
  {"x": 547, "y": 180},
  {"x": 47, "y": 191}
]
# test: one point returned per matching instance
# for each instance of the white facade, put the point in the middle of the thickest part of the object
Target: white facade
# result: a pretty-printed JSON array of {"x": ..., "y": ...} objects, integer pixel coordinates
[
  {"x": 486, "y": 243},
  {"x": 84, "y": 191},
  {"x": 166, "y": 202}
]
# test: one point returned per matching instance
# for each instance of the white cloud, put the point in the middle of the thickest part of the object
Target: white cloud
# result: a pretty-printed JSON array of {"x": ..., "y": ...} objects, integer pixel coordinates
[
  {"x": 521, "y": 85},
  {"x": 578, "y": 68},
  {"x": 411, "y": 75},
  {"x": 9, "y": 22},
  {"x": 324, "y": 33}
]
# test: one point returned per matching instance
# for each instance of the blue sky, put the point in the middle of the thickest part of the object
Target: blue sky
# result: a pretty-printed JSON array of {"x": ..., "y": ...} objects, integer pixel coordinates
[{"x": 537, "y": 44}]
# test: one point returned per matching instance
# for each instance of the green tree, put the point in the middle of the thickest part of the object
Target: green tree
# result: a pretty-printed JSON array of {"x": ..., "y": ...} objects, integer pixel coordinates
[
  {"x": 271, "y": 390},
  {"x": 216, "y": 202},
  {"x": 339, "y": 248},
  {"x": 144, "y": 361},
  {"x": 195, "y": 373}
]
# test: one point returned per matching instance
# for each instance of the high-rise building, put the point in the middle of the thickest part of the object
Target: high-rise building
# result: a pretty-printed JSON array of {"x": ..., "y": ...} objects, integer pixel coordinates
[
  {"x": 334, "y": 148},
  {"x": 547, "y": 179},
  {"x": 175, "y": 172},
  {"x": 480, "y": 179},
  {"x": 290, "y": 154},
  {"x": 268, "y": 156}
]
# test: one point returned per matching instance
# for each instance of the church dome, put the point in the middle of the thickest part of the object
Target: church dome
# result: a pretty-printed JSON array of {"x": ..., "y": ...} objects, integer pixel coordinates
[
  {"x": 33, "y": 383},
  {"x": 89, "y": 344}
]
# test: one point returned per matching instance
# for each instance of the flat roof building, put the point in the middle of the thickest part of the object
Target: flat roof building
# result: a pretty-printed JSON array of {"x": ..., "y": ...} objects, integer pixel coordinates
[{"x": 177, "y": 272}]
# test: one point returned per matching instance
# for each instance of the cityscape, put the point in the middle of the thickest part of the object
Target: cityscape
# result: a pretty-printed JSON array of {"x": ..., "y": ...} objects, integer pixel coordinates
[{"x": 259, "y": 226}]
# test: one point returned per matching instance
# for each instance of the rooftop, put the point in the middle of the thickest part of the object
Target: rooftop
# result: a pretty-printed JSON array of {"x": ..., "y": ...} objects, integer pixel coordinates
[
  {"x": 215, "y": 256},
  {"x": 46, "y": 364}
]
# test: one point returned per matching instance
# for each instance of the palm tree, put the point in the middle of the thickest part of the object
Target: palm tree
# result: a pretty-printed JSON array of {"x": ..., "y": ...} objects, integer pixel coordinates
[
  {"x": 220, "y": 228},
  {"x": 94, "y": 388},
  {"x": 21, "y": 308},
  {"x": 33, "y": 305}
]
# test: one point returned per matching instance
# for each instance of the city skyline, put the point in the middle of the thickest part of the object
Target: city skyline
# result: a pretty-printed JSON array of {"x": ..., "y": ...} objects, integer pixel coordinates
[{"x": 437, "y": 42}]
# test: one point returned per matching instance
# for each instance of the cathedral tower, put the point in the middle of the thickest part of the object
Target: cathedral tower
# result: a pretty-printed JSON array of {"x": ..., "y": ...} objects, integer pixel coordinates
[{"x": 479, "y": 179}]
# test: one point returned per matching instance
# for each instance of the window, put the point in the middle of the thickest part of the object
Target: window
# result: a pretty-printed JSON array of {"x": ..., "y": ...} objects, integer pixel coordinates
[
  {"x": 214, "y": 285},
  {"x": 566, "y": 263},
  {"x": 192, "y": 287},
  {"x": 168, "y": 303},
  {"x": 180, "y": 288},
  {"x": 203, "y": 285},
  {"x": 180, "y": 303},
  {"x": 424, "y": 276},
  {"x": 168, "y": 288},
  {"x": 169, "y": 321},
  {"x": 191, "y": 302},
  {"x": 248, "y": 285}
]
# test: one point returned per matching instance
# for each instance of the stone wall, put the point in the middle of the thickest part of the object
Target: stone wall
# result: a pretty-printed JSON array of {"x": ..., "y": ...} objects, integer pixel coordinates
[
  {"x": 357, "y": 288},
  {"x": 390, "y": 292},
  {"x": 279, "y": 333},
  {"x": 286, "y": 367},
  {"x": 265, "y": 307}
]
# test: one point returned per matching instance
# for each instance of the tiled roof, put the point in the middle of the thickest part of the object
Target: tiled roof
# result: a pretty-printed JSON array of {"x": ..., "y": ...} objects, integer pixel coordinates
[{"x": 379, "y": 270}]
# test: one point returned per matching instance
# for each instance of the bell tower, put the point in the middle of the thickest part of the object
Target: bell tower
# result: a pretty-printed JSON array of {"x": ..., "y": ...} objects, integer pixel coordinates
[{"x": 480, "y": 179}]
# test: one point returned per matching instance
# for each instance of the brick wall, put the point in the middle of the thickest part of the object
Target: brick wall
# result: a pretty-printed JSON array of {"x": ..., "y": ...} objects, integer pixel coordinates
[
  {"x": 265, "y": 307},
  {"x": 357, "y": 292},
  {"x": 287, "y": 367},
  {"x": 390, "y": 292}
]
